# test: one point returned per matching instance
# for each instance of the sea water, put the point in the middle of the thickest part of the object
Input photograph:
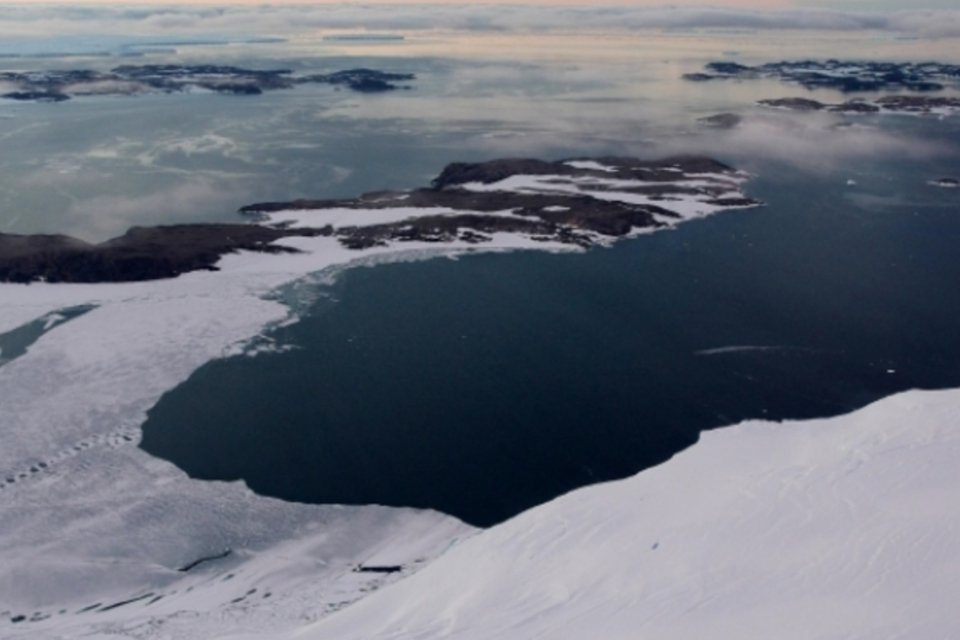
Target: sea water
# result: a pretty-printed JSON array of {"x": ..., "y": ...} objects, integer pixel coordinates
[{"x": 486, "y": 385}]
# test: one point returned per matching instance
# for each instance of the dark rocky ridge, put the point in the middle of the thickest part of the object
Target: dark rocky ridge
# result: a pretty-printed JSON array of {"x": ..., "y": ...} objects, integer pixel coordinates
[
  {"x": 845, "y": 75},
  {"x": 583, "y": 209},
  {"x": 57, "y": 86},
  {"x": 143, "y": 253}
]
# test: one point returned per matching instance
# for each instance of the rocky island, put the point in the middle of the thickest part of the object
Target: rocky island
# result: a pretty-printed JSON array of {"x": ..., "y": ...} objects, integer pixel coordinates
[
  {"x": 578, "y": 203},
  {"x": 844, "y": 75},
  {"x": 58, "y": 86},
  {"x": 721, "y": 121},
  {"x": 904, "y": 104}
]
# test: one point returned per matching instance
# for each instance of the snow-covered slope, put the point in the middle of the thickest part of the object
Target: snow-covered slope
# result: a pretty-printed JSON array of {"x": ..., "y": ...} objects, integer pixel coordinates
[
  {"x": 838, "y": 528},
  {"x": 96, "y": 536},
  {"x": 835, "y": 528}
]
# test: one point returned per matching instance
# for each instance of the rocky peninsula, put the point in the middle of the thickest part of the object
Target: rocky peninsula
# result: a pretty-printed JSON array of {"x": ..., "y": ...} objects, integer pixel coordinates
[{"x": 581, "y": 202}]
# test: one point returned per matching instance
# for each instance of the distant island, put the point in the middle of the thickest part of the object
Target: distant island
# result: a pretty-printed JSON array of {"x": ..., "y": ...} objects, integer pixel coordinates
[
  {"x": 910, "y": 104},
  {"x": 58, "y": 86},
  {"x": 895, "y": 104},
  {"x": 364, "y": 37},
  {"x": 725, "y": 120},
  {"x": 580, "y": 202},
  {"x": 845, "y": 75}
]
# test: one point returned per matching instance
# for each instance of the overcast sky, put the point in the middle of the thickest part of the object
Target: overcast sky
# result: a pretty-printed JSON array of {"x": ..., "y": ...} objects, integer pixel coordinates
[
  {"x": 842, "y": 5},
  {"x": 758, "y": 4},
  {"x": 921, "y": 18}
]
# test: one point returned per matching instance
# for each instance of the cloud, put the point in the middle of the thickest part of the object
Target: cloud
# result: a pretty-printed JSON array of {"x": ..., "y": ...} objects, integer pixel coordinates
[
  {"x": 930, "y": 23},
  {"x": 106, "y": 87},
  {"x": 109, "y": 215},
  {"x": 815, "y": 143},
  {"x": 44, "y": 21}
]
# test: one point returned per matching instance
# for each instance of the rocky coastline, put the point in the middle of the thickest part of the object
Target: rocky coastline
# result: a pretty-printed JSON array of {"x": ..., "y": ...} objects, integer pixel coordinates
[{"x": 572, "y": 202}]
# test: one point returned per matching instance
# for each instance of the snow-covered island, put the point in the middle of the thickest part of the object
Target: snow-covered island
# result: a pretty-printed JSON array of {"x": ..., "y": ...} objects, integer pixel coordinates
[
  {"x": 573, "y": 202},
  {"x": 61, "y": 85},
  {"x": 845, "y": 75},
  {"x": 902, "y": 104}
]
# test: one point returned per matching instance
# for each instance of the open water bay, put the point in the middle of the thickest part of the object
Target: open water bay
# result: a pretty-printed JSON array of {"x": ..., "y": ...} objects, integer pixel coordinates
[{"x": 488, "y": 384}]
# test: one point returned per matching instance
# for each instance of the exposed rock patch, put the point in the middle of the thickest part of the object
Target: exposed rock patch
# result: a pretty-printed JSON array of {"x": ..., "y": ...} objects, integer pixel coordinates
[{"x": 143, "y": 253}]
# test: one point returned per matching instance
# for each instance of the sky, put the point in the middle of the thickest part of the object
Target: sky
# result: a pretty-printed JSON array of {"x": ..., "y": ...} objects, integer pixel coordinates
[
  {"x": 32, "y": 18},
  {"x": 890, "y": 5}
]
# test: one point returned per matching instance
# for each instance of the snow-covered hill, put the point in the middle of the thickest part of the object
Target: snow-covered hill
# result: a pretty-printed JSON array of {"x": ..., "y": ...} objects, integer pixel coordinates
[{"x": 838, "y": 528}]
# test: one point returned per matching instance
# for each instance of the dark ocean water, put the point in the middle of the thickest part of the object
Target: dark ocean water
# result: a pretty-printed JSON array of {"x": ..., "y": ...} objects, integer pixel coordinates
[
  {"x": 486, "y": 385},
  {"x": 14, "y": 343}
]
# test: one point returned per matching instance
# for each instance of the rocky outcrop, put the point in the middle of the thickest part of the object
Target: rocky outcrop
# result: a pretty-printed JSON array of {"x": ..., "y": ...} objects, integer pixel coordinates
[{"x": 143, "y": 253}]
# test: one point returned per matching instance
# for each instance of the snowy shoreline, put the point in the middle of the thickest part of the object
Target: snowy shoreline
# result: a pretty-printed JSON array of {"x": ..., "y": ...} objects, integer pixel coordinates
[
  {"x": 843, "y": 527},
  {"x": 95, "y": 533}
]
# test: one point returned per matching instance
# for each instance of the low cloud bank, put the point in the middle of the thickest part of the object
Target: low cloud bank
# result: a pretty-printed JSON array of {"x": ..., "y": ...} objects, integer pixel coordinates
[
  {"x": 43, "y": 21},
  {"x": 811, "y": 143}
]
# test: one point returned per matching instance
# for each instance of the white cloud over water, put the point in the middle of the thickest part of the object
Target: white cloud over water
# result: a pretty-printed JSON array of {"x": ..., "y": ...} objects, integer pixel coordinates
[
  {"x": 105, "y": 214},
  {"x": 816, "y": 143}
]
